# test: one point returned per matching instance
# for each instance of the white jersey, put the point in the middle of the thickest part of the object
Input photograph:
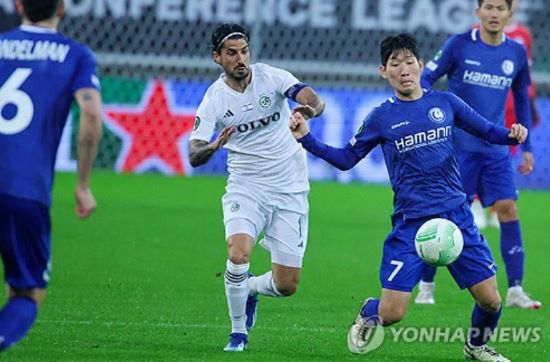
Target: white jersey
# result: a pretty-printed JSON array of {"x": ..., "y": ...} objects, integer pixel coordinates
[{"x": 262, "y": 152}]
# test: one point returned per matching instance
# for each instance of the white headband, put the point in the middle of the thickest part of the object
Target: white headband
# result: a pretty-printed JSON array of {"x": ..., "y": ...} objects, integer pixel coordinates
[{"x": 229, "y": 36}]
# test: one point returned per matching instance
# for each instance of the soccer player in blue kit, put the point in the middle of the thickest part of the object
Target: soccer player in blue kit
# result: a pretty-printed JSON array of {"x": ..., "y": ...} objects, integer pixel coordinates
[
  {"x": 482, "y": 65},
  {"x": 415, "y": 128},
  {"x": 41, "y": 72}
]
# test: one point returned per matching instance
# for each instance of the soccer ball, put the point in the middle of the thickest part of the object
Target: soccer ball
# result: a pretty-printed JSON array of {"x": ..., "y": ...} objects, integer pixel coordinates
[{"x": 438, "y": 242}]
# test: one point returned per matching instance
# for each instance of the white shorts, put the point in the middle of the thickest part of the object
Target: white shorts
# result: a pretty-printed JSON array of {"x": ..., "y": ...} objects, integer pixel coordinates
[{"x": 283, "y": 219}]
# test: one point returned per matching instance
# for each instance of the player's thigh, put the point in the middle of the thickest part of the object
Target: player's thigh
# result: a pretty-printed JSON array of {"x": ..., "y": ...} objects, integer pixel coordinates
[
  {"x": 476, "y": 262},
  {"x": 243, "y": 212},
  {"x": 498, "y": 180},
  {"x": 401, "y": 267},
  {"x": 25, "y": 243},
  {"x": 471, "y": 168},
  {"x": 286, "y": 232}
]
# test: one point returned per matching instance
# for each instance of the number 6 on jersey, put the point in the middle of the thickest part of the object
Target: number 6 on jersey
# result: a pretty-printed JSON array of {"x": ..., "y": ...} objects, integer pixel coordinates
[{"x": 11, "y": 94}]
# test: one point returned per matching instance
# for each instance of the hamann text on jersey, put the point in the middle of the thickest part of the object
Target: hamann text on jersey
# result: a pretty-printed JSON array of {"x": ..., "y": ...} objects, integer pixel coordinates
[
  {"x": 481, "y": 75},
  {"x": 262, "y": 151},
  {"x": 40, "y": 71}
]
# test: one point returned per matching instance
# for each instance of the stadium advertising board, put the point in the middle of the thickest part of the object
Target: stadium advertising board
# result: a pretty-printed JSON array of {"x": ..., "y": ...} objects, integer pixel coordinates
[{"x": 148, "y": 125}]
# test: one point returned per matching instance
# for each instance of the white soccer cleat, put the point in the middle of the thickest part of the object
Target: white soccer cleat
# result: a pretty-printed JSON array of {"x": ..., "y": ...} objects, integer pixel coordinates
[
  {"x": 480, "y": 218},
  {"x": 361, "y": 332},
  {"x": 483, "y": 353},
  {"x": 516, "y": 297},
  {"x": 425, "y": 293}
]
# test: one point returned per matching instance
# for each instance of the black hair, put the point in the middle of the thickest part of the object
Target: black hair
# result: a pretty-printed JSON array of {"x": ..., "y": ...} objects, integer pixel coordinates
[
  {"x": 399, "y": 42},
  {"x": 224, "y": 31},
  {"x": 508, "y": 2},
  {"x": 38, "y": 10}
]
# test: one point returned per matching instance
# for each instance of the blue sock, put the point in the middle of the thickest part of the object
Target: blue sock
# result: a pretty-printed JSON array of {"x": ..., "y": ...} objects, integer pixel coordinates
[
  {"x": 370, "y": 310},
  {"x": 511, "y": 248},
  {"x": 16, "y": 318},
  {"x": 428, "y": 273},
  {"x": 483, "y": 325}
]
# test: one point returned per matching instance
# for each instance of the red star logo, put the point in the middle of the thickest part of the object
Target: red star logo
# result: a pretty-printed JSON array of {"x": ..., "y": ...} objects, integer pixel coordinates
[{"x": 151, "y": 133}]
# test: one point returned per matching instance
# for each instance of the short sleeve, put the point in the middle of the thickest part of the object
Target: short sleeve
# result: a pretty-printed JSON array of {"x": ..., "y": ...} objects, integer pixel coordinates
[
  {"x": 86, "y": 72},
  {"x": 283, "y": 79},
  {"x": 205, "y": 120}
]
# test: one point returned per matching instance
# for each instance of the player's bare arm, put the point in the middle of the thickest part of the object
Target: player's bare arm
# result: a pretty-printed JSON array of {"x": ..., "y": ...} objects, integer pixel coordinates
[
  {"x": 311, "y": 105},
  {"x": 200, "y": 151},
  {"x": 89, "y": 102}
]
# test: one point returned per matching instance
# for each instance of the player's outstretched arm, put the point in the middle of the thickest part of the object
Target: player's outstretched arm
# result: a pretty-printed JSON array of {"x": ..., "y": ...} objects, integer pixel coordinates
[
  {"x": 89, "y": 102},
  {"x": 200, "y": 151},
  {"x": 311, "y": 105},
  {"x": 341, "y": 158}
]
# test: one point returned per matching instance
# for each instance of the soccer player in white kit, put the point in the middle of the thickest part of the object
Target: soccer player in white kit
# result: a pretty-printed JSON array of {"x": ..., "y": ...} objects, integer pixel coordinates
[{"x": 268, "y": 184}]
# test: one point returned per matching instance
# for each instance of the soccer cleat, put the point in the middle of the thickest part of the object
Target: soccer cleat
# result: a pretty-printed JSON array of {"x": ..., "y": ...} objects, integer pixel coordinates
[
  {"x": 483, "y": 353},
  {"x": 237, "y": 342},
  {"x": 425, "y": 293},
  {"x": 361, "y": 332},
  {"x": 516, "y": 297},
  {"x": 251, "y": 311}
]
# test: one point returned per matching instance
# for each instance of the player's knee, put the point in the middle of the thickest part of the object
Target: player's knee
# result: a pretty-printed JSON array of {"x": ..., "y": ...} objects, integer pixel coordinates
[
  {"x": 287, "y": 288},
  {"x": 392, "y": 315},
  {"x": 239, "y": 258},
  {"x": 491, "y": 305},
  {"x": 507, "y": 209},
  {"x": 36, "y": 294}
]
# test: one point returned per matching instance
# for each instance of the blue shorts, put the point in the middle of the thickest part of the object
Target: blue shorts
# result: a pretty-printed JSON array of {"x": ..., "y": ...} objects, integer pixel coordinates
[
  {"x": 25, "y": 242},
  {"x": 401, "y": 267},
  {"x": 490, "y": 176}
]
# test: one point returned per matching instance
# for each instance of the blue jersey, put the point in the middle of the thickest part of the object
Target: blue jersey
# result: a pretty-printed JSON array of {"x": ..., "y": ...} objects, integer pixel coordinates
[
  {"x": 416, "y": 139},
  {"x": 482, "y": 75},
  {"x": 40, "y": 71}
]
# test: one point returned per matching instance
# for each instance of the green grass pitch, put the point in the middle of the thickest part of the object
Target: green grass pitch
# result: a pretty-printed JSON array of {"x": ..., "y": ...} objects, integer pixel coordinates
[{"x": 141, "y": 280}]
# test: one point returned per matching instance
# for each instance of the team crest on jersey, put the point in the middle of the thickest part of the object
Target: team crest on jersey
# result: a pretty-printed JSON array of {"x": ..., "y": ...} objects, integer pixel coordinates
[
  {"x": 436, "y": 115},
  {"x": 235, "y": 206},
  {"x": 508, "y": 67},
  {"x": 265, "y": 101},
  {"x": 197, "y": 123}
]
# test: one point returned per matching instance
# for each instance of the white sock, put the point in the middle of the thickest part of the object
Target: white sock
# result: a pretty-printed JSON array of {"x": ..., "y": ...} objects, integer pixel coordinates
[
  {"x": 236, "y": 292},
  {"x": 264, "y": 285}
]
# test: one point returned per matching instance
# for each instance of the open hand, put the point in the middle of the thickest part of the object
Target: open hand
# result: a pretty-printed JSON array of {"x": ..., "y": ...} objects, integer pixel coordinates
[
  {"x": 223, "y": 137},
  {"x": 305, "y": 110}
]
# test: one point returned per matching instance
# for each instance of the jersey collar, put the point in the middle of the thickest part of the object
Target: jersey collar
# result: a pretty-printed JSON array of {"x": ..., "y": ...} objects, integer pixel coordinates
[
  {"x": 475, "y": 35},
  {"x": 37, "y": 29},
  {"x": 394, "y": 99}
]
